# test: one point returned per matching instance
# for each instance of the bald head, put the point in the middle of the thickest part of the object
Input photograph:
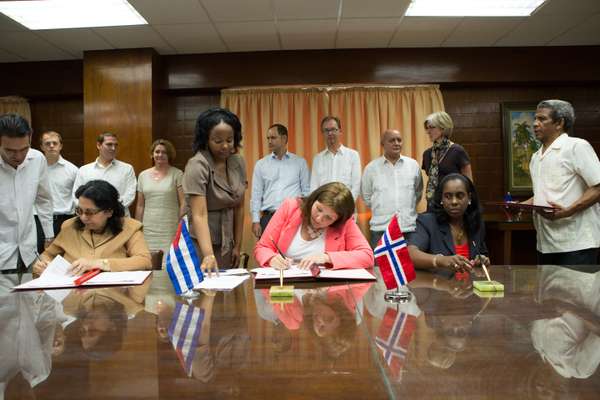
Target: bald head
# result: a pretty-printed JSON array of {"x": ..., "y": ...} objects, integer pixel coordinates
[{"x": 391, "y": 140}]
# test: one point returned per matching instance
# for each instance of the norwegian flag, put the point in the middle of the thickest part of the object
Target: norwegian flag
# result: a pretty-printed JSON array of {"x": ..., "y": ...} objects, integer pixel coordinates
[
  {"x": 184, "y": 332},
  {"x": 393, "y": 339},
  {"x": 391, "y": 255},
  {"x": 183, "y": 263}
]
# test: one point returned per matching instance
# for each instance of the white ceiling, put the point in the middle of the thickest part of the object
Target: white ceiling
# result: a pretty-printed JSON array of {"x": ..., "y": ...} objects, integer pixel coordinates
[{"x": 214, "y": 26}]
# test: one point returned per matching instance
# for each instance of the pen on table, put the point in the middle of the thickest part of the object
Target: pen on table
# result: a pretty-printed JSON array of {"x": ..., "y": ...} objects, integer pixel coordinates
[
  {"x": 280, "y": 253},
  {"x": 481, "y": 261},
  {"x": 87, "y": 276}
]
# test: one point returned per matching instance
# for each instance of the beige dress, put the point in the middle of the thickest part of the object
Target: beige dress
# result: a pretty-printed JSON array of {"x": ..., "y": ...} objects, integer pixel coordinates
[
  {"x": 222, "y": 196},
  {"x": 161, "y": 208}
]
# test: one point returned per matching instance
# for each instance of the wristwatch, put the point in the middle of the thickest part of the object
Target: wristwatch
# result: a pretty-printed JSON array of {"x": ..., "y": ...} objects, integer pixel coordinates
[{"x": 105, "y": 264}]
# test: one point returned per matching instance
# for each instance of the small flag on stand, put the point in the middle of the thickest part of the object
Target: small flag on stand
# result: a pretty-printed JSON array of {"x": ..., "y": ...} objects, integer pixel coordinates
[
  {"x": 183, "y": 263},
  {"x": 184, "y": 332},
  {"x": 393, "y": 338},
  {"x": 391, "y": 255}
]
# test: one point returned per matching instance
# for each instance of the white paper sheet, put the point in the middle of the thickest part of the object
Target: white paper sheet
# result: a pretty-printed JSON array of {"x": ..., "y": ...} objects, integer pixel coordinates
[
  {"x": 324, "y": 273},
  {"x": 56, "y": 275},
  {"x": 221, "y": 282},
  {"x": 272, "y": 273}
]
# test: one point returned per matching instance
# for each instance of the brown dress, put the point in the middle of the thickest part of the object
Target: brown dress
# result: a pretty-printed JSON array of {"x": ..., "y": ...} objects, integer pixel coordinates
[{"x": 222, "y": 197}]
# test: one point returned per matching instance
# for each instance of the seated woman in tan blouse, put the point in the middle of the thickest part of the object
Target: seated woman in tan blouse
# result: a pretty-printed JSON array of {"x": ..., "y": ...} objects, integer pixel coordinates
[{"x": 100, "y": 236}]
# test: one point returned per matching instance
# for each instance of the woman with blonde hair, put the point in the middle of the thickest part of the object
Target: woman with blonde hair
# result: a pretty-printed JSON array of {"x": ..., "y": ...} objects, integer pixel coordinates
[
  {"x": 160, "y": 200},
  {"x": 317, "y": 230},
  {"x": 444, "y": 157}
]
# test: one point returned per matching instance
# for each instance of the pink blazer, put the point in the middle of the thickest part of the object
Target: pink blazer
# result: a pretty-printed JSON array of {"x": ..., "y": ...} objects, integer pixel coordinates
[{"x": 346, "y": 245}]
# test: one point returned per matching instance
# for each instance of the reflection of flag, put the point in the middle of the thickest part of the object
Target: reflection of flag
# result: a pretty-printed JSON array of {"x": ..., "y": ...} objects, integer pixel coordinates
[
  {"x": 184, "y": 332},
  {"x": 393, "y": 339},
  {"x": 183, "y": 264},
  {"x": 391, "y": 255}
]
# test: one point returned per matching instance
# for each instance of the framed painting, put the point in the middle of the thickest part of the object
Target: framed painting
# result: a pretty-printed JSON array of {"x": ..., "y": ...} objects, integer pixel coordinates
[{"x": 519, "y": 145}]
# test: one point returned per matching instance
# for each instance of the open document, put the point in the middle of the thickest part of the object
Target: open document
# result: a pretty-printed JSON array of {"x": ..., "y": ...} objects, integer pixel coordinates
[
  {"x": 56, "y": 275},
  {"x": 321, "y": 273}
]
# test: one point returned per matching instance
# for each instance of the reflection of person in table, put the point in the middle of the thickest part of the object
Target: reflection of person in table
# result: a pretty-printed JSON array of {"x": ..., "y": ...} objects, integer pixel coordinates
[
  {"x": 102, "y": 316},
  {"x": 330, "y": 314},
  {"x": 565, "y": 173},
  {"x": 451, "y": 237}
]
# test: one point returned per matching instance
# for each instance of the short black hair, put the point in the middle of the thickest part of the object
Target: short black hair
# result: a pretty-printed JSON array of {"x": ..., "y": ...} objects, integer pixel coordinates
[
  {"x": 105, "y": 197},
  {"x": 104, "y": 135},
  {"x": 281, "y": 129},
  {"x": 472, "y": 216},
  {"x": 13, "y": 125},
  {"x": 211, "y": 118}
]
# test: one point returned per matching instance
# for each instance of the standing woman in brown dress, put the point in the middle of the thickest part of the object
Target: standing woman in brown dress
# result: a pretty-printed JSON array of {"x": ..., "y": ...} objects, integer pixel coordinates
[
  {"x": 214, "y": 183},
  {"x": 444, "y": 157}
]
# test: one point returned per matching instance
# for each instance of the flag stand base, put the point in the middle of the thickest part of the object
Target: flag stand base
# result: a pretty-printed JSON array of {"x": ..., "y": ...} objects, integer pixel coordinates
[{"x": 397, "y": 297}]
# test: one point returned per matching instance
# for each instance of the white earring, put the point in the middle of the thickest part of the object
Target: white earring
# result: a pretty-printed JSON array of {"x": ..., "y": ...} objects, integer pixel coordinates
[{"x": 469, "y": 202}]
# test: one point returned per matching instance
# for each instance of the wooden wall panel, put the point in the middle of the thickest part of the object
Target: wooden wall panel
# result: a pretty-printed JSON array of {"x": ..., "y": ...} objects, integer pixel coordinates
[
  {"x": 118, "y": 97},
  {"x": 64, "y": 116},
  {"x": 181, "y": 114}
]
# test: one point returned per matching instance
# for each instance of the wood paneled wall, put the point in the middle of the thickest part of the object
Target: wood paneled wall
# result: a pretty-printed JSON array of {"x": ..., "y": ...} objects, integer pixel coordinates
[
  {"x": 118, "y": 96},
  {"x": 64, "y": 116}
]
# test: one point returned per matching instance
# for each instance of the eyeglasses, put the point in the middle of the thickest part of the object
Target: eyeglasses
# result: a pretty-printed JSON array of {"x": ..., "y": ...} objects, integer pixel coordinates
[
  {"x": 330, "y": 130},
  {"x": 88, "y": 213}
]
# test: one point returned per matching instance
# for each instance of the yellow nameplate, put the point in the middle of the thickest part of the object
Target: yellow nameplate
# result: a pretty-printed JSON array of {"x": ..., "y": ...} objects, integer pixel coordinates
[
  {"x": 488, "y": 286},
  {"x": 486, "y": 295},
  {"x": 281, "y": 291}
]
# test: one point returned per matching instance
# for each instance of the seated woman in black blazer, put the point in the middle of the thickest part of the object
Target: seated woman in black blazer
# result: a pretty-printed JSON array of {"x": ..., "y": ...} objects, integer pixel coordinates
[{"x": 451, "y": 236}]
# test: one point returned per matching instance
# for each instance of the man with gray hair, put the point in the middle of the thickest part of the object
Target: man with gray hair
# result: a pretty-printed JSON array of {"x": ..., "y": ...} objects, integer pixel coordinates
[
  {"x": 392, "y": 185},
  {"x": 566, "y": 175}
]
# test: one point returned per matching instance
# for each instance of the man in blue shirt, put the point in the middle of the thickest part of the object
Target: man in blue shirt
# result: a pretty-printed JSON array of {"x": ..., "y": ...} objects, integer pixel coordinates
[{"x": 277, "y": 176}]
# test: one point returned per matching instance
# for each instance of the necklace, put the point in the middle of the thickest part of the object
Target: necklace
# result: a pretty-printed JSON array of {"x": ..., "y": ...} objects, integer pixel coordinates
[
  {"x": 313, "y": 233},
  {"x": 459, "y": 233}
]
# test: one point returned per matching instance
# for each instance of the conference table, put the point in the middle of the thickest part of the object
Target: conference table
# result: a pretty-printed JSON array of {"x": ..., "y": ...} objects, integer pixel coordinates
[{"x": 540, "y": 338}]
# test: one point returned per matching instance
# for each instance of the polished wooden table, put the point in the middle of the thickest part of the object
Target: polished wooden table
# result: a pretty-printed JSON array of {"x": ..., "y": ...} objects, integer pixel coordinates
[{"x": 540, "y": 340}]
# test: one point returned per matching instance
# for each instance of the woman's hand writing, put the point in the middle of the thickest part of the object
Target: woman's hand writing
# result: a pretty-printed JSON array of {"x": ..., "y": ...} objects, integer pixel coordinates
[{"x": 278, "y": 262}]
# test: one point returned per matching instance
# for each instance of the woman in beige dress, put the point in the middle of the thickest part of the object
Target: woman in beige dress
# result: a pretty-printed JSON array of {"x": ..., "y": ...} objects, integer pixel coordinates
[
  {"x": 160, "y": 201},
  {"x": 214, "y": 183}
]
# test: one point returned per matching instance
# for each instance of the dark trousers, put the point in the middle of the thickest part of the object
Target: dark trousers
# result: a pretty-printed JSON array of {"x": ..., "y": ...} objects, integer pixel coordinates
[
  {"x": 57, "y": 221},
  {"x": 578, "y": 257},
  {"x": 20, "y": 268},
  {"x": 265, "y": 217}
]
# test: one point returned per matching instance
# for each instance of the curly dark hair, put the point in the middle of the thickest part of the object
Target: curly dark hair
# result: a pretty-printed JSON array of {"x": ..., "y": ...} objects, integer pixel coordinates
[
  {"x": 472, "y": 215},
  {"x": 105, "y": 197},
  {"x": 211, "y": 118}
]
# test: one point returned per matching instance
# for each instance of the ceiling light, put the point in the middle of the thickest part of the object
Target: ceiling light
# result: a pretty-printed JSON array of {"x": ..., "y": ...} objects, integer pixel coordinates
[
  {"x": 61, "y": 14},
  {"x": 472, "y": 8}
]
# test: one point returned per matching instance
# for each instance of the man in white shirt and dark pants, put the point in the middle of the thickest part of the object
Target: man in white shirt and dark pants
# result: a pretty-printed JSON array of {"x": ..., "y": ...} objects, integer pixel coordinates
[
  {"x": 565, "y": 173},
  {"x": 277, "y": 176},
  {"x": 61, "y": 174},
  {"x": 108, "y": 168},
  {"x": 336, "y": 163},
  {"x": 23, "y": 184},
  {"x": 392, "y": 184}
]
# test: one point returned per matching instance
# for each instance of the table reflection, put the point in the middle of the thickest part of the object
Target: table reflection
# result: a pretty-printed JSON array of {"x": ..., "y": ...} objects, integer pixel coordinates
[{"x": 540, "y": 340}]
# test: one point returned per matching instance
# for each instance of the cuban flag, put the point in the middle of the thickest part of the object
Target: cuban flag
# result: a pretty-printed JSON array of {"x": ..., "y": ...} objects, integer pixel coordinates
[
  {"x": 183, "y": 264},
  {"x": 391, "y": 255},
  {"x": 393, "y": 338},
  {"x": 184, "y": 332}
]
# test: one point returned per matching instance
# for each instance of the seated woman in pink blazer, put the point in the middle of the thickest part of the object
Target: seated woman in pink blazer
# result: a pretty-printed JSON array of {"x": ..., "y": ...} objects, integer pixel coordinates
[{"x": 317, "y": 230}]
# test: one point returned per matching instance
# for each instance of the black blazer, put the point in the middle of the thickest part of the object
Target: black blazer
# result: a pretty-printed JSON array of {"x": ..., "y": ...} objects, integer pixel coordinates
[{"x": 434, "y": 238}]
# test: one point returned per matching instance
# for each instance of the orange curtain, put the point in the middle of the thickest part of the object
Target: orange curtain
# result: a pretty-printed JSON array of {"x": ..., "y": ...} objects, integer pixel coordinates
[{"x": 365, "y": 112}]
